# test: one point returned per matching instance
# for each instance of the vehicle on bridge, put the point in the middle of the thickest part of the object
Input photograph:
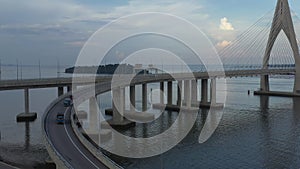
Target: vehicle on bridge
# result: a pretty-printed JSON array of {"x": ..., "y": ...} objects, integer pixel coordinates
[
  {"x": 67, "y": 102},
  {"x": 60, "y": 118}
]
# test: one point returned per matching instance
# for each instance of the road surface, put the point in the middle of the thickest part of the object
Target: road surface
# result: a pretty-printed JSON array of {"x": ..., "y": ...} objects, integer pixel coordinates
[{"x": 66, "y": 143}]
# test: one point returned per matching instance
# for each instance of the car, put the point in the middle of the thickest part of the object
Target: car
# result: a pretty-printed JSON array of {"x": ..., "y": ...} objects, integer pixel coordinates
[
  {"x": 60, "y": 118},
  {"x": 67, "y": 102}
]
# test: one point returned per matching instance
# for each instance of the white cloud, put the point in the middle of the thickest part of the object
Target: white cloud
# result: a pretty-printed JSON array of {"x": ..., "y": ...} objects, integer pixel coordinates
[
  {"x": 225, "y": 25},
  {"x": 223, "y": 44},
  {"x": 71, "y": 23},
  {"x": 71, "y": 15}
]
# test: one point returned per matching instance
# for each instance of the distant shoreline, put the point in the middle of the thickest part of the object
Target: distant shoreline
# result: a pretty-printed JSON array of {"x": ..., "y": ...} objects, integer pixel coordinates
[{"x": 102, "y": 69}]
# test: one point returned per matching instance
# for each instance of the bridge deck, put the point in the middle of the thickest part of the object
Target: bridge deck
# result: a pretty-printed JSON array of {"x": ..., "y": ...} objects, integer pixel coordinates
[{"x": 68, "y": 81}]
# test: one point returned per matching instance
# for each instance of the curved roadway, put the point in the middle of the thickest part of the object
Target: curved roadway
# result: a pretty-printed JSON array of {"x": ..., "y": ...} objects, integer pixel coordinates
[{"x": 66, "y": 143}]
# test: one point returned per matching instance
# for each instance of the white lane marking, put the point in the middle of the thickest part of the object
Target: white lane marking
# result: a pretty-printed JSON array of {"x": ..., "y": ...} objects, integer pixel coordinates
[
  {"x": 7, "y": 165},
  {"x": 75, "y": 144}
]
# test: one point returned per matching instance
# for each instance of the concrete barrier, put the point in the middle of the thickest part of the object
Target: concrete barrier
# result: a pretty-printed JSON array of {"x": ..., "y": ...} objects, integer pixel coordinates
[{"x": 97, "y": 153}]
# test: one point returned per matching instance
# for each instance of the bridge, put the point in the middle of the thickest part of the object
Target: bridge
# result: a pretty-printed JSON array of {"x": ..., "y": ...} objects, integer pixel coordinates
[
  {"x": 67, "y": 82},
  {"x": 259, "y": 56}
]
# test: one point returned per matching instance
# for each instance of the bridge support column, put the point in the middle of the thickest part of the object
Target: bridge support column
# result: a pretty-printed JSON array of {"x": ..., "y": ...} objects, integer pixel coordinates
[
  {"x": 132, "y": 98},
  {"x": 264, "y": 83},
  {"x": 144, "y": 97},
  {"x": 187, "y": 93},
  {"x": 213, "y": 92},
  {"x": 60, "y": 91},
  {"x": 95, "y": 131},
  {"x": 118, "y": 108},
  {"x": 117, "y": 105},
  {"x": 93, "y": 115},
  {"x": 194, "y": 93},
  {"x": 122, "y": 100},
  {"x": 297, "y": 80},
  {"x": 170, "y": 93},
  {"x": 204, "y": 91},
  {"x": 26, "y": 116},
  {"x": 179, "y": 93},
  {"x": 69, "y": 88},
  {"x": 26, "y": 97},
  {"x": 162, "y": 92}
]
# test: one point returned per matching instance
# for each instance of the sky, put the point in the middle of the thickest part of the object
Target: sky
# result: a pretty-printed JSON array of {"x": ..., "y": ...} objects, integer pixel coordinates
[{"x": 55, "y": 30}]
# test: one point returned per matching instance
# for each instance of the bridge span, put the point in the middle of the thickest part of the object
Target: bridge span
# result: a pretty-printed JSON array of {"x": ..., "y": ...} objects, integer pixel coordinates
[{"x": 68, "y": 82}]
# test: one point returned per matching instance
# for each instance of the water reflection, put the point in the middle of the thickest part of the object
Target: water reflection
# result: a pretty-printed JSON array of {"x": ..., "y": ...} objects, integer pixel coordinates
[
  {"x": 255, "y": 132},
  {"x": 264, "y": 104},
  {"x": 204, "y": 113},
  {"x": 27, "y": 135},
  {"x": 279, "y": 135},
  {"x": 265, "y": 130},
  {"x": 296, "y": 108}
]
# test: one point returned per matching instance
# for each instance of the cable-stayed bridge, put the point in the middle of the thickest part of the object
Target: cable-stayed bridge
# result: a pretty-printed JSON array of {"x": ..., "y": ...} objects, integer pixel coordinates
[
  {"x": 269, "y": 44},
  {"x": 268, "y": 47}
]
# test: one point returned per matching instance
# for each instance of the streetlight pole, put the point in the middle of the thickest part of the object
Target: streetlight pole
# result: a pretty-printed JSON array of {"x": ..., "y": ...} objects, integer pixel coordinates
[
  {"x": 58, "y": 66},
  {"x": 17, "y": 69},
  {"x": 21, "y": 67},
  {"x": 40, "y": 73}
]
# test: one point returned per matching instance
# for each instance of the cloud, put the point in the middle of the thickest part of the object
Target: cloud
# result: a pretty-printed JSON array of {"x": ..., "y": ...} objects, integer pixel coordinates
[
  {"x": 70, "y": 15},
  {"x": 76, "y": 43},
  {"x": 225, "y": 25},
  {"x": 186, "y": 9},
  {"x": 71, "y": 22},
  {"x": 223, "y": 44}
]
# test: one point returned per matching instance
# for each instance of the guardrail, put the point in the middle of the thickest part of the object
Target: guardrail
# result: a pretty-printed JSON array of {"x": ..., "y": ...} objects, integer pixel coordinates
[
  {"x": 57, "y": 157},
  {"x": 97, "y": 152}
]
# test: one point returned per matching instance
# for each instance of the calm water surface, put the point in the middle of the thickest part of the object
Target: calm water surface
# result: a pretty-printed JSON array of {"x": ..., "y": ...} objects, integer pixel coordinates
[{"x": 255, "y": 132}]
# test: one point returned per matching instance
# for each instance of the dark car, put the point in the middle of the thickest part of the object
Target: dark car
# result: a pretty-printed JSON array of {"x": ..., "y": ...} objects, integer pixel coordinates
[
  {"x": 67, "y": 102},
  {"x": 60, "y": 118}
]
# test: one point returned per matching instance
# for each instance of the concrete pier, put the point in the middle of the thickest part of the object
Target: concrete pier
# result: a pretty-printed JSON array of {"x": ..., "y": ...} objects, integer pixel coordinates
[
  {"x": 194, "y": 93},
  {"x": 118, "y": 111},
  {"x": 26, "y": 116},
  {"x": 213, "y": 91},
  {"x": 162, "y": 91},
  {"x": 95, "y": 132},
  {"x": 144, "y": 97},
  {"x": 132, "y": 98},
  {"x": 60, "y": 91},
  {"x": 204, "y": 91},
  {"x": 170, "y": 93},
  {"x": 179, "y": 93},
  {"x": 187, "y": 93},
  {"x": 69, "y": 88},
  {"x": 190, "y": 102},
  {"x": 117, "y": 107},
  {"x": 26, "y": 98},
  {"x": 93, "y": 115},
  {"x": 264, "y": 83},
  {"x": 122, "y": 100}
]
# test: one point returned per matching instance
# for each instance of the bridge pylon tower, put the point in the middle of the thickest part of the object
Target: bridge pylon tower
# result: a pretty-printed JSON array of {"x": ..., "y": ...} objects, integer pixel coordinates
[{"x": 282, "y": 21}]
